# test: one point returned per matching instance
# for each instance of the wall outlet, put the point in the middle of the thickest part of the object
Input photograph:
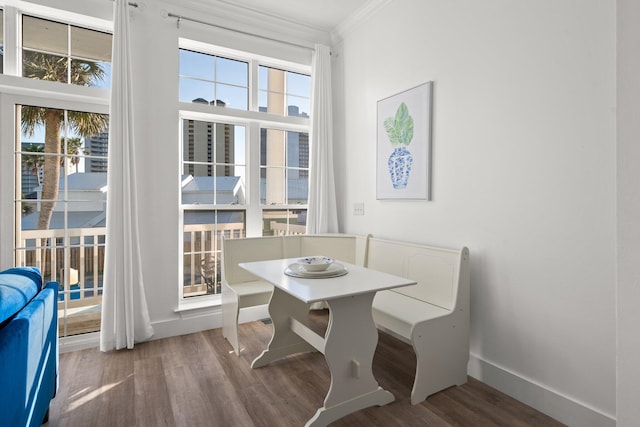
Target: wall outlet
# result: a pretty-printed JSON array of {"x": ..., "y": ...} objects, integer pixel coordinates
[{"x": 358, "y": 208}]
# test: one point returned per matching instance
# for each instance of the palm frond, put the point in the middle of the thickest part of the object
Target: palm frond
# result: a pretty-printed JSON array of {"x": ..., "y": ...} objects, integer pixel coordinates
[
  {"x": 30, "y": 117},
  {"x": 88, "y": 124}
]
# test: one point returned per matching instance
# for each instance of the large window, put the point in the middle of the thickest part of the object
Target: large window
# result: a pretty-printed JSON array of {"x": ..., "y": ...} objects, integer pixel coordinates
[
  {"x": 65, "y": 53},
  {"x": 57, "y": 154},
  {"x": 60, "y": 207},
  {"x": 245, "y": 154}
]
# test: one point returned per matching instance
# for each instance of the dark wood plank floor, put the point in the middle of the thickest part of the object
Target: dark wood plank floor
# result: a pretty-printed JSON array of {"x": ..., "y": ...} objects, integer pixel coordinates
[{"x": 195, "y": 380}]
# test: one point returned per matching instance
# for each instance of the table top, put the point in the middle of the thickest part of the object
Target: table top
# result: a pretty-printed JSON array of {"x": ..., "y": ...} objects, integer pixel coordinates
[{"x": 358, "y": 280}]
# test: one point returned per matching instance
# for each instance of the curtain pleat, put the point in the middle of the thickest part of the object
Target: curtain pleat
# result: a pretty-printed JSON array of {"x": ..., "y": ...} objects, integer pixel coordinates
[
  {"x": 125, "y": 315},
  {"x": 322, "y": 216}
]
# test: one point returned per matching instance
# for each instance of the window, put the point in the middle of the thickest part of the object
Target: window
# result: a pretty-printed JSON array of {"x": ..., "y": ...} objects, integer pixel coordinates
[
  {"x": 65, "y": 53},
  {"x": 245, "y": 153},
  {"x": 284, "y": 167},
  {"x": 58, "y": 159},
  {"x": 60, "y": 207},
  {"x": 284, "y": 92},
  {"x": 213, "y": 180},
  {"x": 213, "y": 80}
]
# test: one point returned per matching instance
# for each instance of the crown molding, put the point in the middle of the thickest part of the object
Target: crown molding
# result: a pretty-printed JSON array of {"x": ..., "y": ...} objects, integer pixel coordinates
[
  {"x": 228, "y": 14},
  {"x": 357, "y": 18}
]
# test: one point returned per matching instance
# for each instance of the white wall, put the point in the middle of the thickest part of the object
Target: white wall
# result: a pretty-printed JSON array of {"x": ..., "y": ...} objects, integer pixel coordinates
[
  {"x": 628, "y": 349},
  {"x": 524, "y": 173}
]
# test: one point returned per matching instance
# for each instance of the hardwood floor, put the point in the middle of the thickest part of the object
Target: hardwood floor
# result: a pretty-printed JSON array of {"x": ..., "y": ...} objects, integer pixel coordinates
[{"x": 196, "y": 380}]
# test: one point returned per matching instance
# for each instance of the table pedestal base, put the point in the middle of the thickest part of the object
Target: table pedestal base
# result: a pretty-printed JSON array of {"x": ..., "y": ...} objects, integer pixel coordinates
[
  {"x": 325, "y": 416},
  {"x": 348, "y": 347}
]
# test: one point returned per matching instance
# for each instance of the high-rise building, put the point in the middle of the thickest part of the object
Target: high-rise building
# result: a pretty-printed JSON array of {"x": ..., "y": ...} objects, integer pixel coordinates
[
  {"x": 207, "y": 144},
  {"x": 97, "y": 149}
]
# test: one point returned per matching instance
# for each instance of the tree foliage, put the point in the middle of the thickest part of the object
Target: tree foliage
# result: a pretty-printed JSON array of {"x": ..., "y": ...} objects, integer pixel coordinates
[{"x": 58, "y": 69}]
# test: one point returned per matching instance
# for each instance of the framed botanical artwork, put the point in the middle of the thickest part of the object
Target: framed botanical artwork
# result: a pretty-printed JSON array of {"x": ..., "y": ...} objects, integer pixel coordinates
[{"x": 403, "y": 164}]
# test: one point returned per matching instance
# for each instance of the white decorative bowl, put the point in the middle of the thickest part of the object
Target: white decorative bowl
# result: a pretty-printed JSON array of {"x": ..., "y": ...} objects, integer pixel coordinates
[{"x": 315, "y": 263}]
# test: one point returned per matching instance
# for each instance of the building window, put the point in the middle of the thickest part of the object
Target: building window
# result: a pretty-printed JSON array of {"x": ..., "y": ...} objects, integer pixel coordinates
[
  {"x": 245, "y": 153},
  {"x": 65, "y": 53}
]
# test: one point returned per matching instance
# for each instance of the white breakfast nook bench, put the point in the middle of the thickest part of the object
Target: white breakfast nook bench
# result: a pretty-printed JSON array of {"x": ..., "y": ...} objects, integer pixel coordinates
[{"x": 432, "y": 315}]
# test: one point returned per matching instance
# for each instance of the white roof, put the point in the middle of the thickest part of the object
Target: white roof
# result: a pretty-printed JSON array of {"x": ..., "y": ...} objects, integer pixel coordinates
[
  {"x": 205, "y": 183},
  {"x": 84, "y": 181}
]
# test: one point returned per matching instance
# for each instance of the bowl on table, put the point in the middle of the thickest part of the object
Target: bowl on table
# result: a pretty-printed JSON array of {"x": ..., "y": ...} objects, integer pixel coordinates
[{"x": 315, "y": 263}]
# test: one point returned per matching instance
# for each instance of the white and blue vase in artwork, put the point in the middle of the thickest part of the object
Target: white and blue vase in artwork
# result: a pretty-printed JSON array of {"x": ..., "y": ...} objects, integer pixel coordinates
[
  {"x": 399, "y": 128},
  {"x": 400, "y": 162}
]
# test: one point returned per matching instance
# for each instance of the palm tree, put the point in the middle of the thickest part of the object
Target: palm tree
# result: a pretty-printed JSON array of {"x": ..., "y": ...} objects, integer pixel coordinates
[
  {"x": 33, "y": 162},
  {"x": 54, "y": 68},
  {"x": 74, "y": 150}
]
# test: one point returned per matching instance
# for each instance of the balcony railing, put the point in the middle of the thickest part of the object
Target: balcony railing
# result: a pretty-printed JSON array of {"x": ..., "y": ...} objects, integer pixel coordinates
[
  {"x": 201, "y": 260},
  {"x": 75, "y": 259},
  {"x": 283, "y": 229}
]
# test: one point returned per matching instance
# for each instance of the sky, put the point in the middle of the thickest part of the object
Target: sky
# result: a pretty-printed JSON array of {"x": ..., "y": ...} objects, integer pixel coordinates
[{"x": 207, "y": 76}]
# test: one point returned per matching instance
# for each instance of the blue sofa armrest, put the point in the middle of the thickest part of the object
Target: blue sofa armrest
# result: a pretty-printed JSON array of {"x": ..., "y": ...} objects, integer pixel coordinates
[{"x": 29, "y": 360}]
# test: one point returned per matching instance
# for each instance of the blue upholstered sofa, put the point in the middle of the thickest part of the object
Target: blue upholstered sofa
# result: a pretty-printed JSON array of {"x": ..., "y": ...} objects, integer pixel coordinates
[{"x": 28, "y": 347}]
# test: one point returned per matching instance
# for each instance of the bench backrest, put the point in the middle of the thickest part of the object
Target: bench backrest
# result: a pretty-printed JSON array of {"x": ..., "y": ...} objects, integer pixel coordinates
[
  {"x": 343, "y": 247},
  {"x": 437, "y": 270},
  {"x": 247, "y": 249}
]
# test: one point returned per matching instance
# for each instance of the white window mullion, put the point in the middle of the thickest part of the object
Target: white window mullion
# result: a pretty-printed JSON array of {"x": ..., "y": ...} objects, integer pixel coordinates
[
  {"x": 252, "y": 171},
  {"x": 12, "y": 56},
  {"x": 253, "y": 85},
  {"x": 68, "y": 54}
]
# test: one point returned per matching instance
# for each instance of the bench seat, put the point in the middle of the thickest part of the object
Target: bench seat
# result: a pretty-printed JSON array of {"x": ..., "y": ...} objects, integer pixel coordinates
[
  {"x": 400, "y": 314},
  {"x": 252, "y": 288}
]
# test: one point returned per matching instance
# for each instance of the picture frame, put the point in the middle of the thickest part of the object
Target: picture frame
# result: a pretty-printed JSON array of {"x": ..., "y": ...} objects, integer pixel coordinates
[{"x": 403, "y": 161}]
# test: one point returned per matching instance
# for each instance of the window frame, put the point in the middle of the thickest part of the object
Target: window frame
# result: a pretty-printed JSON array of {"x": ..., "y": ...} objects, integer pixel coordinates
[
  {"x": 68, "y": 55},
  {"x": 13, "y": 31},
  {"x": 254, "y": 121},
  {"x": 17, "y": 90}
]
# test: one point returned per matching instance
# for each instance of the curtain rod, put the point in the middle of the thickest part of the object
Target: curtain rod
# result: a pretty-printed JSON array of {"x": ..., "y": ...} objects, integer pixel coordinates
[{"x": 246, "y": 33}]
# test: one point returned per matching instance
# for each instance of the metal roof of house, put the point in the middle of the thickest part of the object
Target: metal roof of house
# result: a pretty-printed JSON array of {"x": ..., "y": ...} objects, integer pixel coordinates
[
  {"x": 74, "y": 220},
  {"x": 84, "y": 181},
  {"x": 205, "y": 183}
]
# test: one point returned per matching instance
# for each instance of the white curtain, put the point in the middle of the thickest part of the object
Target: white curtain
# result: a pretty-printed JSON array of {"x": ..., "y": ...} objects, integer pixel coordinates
[
  {"x": 125, "y": 316},
  {"x": 322, "y": 216}
]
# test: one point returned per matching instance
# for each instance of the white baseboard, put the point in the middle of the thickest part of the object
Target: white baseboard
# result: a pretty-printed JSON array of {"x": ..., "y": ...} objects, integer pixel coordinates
[
  {"x": 190, "y": 321},
  {"x": 79, "y": 342},
  {"x": 201, "y": 320},
  {"x": 250, "y": 314},
  {"x": 563, "y": 408}
]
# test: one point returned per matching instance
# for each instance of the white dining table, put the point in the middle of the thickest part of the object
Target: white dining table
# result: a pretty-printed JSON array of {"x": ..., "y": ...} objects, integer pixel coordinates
[{"x": 351, "y": 337}]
